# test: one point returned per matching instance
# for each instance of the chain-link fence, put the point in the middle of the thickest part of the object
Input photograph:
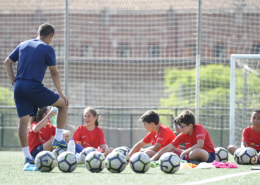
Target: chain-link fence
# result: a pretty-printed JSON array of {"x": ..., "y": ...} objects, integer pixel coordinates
[{"x": 125, "y": 57}]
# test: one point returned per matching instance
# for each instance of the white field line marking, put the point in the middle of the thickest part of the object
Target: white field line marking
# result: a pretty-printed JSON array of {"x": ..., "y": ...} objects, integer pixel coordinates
[{"x": 219, "y": 178}]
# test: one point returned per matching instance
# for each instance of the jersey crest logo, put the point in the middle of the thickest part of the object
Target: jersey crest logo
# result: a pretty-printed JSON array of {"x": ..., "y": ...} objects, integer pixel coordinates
[
  {"x": 252, "y": 145},
  {"x": 84, "y": 143}
]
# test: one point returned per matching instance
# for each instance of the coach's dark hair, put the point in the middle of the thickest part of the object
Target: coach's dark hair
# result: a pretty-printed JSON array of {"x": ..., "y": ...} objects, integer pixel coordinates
[
  {"x": 46, "y": 29},
  {"x": 94, "y": 113},
  {"x": 186, "y": 117},
  {"x": 38, "y": 117},
  {"x": 255, "y": 110},
  {"x": 150, "y": 116}
]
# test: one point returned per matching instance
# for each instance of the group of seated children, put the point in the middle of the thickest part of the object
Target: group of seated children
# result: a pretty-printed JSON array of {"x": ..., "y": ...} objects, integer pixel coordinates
[
  {"x": 41, "y": 132},
  {"x": 198, "y": 146}
]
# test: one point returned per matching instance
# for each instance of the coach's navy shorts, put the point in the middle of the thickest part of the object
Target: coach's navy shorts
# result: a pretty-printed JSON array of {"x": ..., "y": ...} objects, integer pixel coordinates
[
  {"x": 212, "y": 157},
  {"x": 29, "y": 95},
  {"x": 37, "y": 150}
]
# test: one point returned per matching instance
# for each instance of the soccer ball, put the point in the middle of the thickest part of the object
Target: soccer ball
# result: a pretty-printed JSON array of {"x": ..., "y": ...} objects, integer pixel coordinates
[
  {"x": 127, "y": 148},
  {"x": 95, "y": 162},
  {"x": 67, "y": 162},
  {"x": 45, "y": 161},
  {"x": 115, "y": 162},
  {"x": 248, "y": 155},
  {"x": 140, "y": 162},
  {"x": 85, "y": 152},
  {"x": 58, "y": 151},
  {"x": 221, "y": 154},
  {"x": 237, "y": 156},
  {"x": 123, "y": 151},
  {"x": 169, "y": 162}
]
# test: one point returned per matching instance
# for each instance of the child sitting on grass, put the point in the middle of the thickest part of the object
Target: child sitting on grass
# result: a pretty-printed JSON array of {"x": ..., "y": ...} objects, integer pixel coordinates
[
  {"x": 251, "y": 135},
  {"x": 199, "y": 147},
  {"x": 89, "y": 134},
  {"x": 159, "y": 135}
]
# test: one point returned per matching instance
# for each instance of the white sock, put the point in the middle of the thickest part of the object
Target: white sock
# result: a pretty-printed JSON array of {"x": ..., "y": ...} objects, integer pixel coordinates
[
  {"x": 26, "y": 152},
  {"x": 59, "y": 134}
]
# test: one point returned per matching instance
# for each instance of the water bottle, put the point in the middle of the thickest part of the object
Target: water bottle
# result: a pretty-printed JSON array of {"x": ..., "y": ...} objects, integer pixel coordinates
[
  {"x": 71, "y": 146},
  {"x": 54, "y": 118}
]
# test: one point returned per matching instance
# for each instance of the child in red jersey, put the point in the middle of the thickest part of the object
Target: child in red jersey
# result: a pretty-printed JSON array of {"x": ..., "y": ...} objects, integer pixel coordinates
[
  {"x": 251, "y": 135},
  {"x": 41, "y": 133},
  {"x": 89, "y": 134},
  {"x": 196, "y": 139},
  {"x": 159, "y": 135}
]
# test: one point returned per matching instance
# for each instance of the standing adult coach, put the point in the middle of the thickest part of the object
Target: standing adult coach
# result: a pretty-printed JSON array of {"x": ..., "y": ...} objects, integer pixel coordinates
[{"x": 33, "y": 57}]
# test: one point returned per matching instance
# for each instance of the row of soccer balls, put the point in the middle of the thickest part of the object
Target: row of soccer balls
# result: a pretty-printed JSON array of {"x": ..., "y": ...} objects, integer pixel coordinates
[
  {"x": 95, "y": 161},
  {"x": 116, "y": 161},
  {"x": 245, "y": 156}
]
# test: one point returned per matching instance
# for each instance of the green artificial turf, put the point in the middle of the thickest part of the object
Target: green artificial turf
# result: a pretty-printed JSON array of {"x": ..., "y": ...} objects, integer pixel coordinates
[{"x": 11, "y": 165}]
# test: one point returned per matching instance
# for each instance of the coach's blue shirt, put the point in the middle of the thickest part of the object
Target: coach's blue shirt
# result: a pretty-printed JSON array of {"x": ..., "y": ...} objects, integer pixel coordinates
[{"x": 33, "y": 57}]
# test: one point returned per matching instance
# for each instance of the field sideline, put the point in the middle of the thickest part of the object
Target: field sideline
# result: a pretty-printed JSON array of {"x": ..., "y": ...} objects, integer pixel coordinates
[{"x": 11, "y": 164}]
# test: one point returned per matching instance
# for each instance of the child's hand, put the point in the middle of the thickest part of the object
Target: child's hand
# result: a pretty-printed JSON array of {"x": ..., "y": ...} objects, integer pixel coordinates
[
  {"x": 51, "y": 113},
  {"x": 107, "y": 151},
  {"x": 78, "y": 142}
]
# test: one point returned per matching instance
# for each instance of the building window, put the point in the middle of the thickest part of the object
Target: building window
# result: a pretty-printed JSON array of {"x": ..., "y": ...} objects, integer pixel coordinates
[
  {"x": 190, "y": 50},
  {"x": 220, "y": 51},
  {"x": 124, "y": 51},
  {"x": 257, "y": 49},
  {"x": 87, "y": 51},
  {"x": 59, "y": 50},
  {"x": 153, "y": 51}
]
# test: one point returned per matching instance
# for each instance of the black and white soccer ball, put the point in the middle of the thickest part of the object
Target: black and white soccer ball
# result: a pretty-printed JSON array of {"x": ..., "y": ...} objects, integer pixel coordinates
[
  {"x": 248, "y": 155},
  {"x": 127, "y": 148},
  {"x": 221, "y": 154},
  {"x": 67, "y": 162},
  {"x": 237, "y": 156},
  {"x": 169, "y": 162},
  {"x": 45, "y": 161},
  {"x": 140, "y": 162},
  {"x": 95, "y": 162},
  {"x": 123, "y": 151},
  {"x": 85, "y": 152},
  {"x": 58, "y": 151},
  {"x": 115, "y": 162}
]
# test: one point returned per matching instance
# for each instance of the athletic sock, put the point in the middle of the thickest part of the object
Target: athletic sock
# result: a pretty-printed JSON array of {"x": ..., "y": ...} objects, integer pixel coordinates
[
  {"x": 26, "y": 152},
  {"x": 59, "y": 134}
]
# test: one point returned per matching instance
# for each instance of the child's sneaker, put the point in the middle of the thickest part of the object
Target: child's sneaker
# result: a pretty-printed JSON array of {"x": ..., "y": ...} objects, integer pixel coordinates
[
  {"x": 30, "y": 161},
  {"x": 29, "y": 167},
  {"x": 195, "y": 161},
  {"x": 59, "y": 144}
]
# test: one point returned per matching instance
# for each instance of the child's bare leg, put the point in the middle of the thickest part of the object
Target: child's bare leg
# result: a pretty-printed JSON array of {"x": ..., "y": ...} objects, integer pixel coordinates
[
  {"x": 48, "y": 145},
  {"x": 199, "y": 154},
  {"x": 231, "y": 149},
  {"x": 150, "y": 153}
]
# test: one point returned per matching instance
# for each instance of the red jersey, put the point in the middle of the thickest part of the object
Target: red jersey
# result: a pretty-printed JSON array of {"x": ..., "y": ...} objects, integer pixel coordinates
[
  {"x": 93, "y": 138},
  {"x": 164, "y": 136},
  {"x": 42, "y": 136},
  {"x": 251, "y": 138},
  {"x": 199, "y": 132}
]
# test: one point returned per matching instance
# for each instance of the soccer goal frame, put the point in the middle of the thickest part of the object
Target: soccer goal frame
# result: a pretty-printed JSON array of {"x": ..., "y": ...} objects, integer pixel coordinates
[{"x": 233, "y": 59}]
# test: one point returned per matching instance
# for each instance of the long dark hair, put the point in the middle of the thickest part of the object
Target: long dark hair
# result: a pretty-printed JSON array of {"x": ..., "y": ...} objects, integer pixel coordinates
[
  {"x": 38, "y": 117},
  {"x": 94, "y": 113}
]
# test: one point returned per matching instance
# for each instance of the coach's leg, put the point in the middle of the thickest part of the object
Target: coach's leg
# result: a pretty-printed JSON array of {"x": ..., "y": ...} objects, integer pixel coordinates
[
  {"x": 62, "y": 112},
  {"x": 22, "y": 132},
  {"x": 59, "y": 142}
]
